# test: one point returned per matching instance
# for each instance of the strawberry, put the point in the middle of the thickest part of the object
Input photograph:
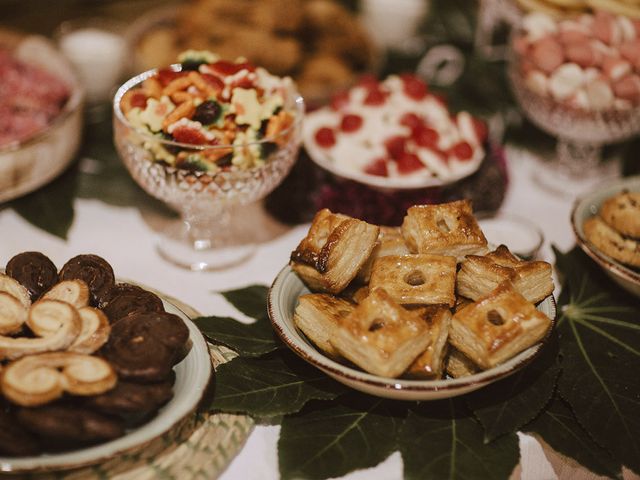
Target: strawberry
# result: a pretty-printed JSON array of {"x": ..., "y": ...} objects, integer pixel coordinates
[
  {"x": 425, "y": 137},
  {"x": 340, "y": 100},
  {"x": 378, "y": 167},
  {"x": 139, "y": 99},
  {"x": 411, "y": 120},
  {"x": 409, "y": 162},
  {"x": 481, "y": 130},
  {"x": 351, "y": 123},
  {"x": 462, "y": 150},
  {"x": 225, "y": 68},
  {"x": 188, "y": 135},
  {"x": 375, "y": 96},
  {"x": 396, "y": 146},
  {"x": 214, "y": 81},
  {"x": 325, "y": 137},
  {"x": 166, "y": 76},
  {"x": 413, "y": 86}
]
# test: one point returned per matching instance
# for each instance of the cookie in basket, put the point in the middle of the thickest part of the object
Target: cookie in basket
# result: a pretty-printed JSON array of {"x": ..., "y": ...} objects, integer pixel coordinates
[
  {"x": 622, "y": 213},
  {"x": 610, "y": 242}
]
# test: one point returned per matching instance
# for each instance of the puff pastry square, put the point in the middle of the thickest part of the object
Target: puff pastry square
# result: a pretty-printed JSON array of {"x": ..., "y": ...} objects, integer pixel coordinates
[
  {"x": 334, "y": 250},
  {"x": 479, "y": 275},
  {"x": 421, "y": 279},
  {"x": 458, "y": 365},
  {"x": 445, "y": 229},
  {"x": 382, "y": 337},
  {"x": 317, "y": 315},
  {"x": 390, "y": 242},
  {"x": 430, "y": 363},
  {"x": 497, "y": 327}
]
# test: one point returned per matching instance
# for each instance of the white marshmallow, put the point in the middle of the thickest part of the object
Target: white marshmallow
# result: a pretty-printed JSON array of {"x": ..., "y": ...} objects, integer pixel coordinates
[{"x": 565, "y": 81}]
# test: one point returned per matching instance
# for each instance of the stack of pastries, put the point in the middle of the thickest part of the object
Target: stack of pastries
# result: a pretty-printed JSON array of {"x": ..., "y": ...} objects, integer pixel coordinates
[{"x": 425, "y": 300}]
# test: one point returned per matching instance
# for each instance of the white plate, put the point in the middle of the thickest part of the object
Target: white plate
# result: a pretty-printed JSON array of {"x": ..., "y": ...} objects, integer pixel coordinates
[
  {"x": 283, "y": 298},
  {"x": 588, "y": 206},
  {"x": 192, "y": 378}
]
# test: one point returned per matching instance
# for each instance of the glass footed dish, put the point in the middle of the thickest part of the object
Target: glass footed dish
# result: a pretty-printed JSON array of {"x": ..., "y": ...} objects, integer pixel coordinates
[{"x": 208, "y": 235}]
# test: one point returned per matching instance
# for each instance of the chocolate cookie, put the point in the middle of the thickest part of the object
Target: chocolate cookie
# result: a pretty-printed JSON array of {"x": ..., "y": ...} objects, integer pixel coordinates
[
  {"x": 95, "y": 271},
  {"x": 132, "y": 398},
  {"x": 144, "y": 347},
  {"x": 69, "y": 424},
  {"x": 35, "y": 271},
  {"x": 125, "y": 299},
  {"x": 15, "y": 441}
]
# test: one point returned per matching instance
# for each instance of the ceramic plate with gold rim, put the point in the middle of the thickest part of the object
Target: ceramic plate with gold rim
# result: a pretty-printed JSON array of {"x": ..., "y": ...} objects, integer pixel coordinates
[{"x": 283, "y": 298}]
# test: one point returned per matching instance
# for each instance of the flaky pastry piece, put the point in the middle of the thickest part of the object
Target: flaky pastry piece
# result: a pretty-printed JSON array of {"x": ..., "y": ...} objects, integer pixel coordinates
[
  {"x": 622, "y": 213},
  {"x": 12, "y": 287},
  {"x": 74, "y": 292},
  {"x": 611, "y": 243},
  {"x": 317, "y": 315},
  {"x": 12, "y": 314},
  {"x": 380, "y": 336},
  {"x": 421, "y": 279},
  {"x": 430, "y": 363},
  {"x": 334, "y": 250},
  {"x": 390, "y": 242},
  {"x": 94, "y": 333},
  {"x": 458, "y": 365},
  {"x": 444, "y": 229},
  {"x": 479, "y": 275},
  {"x": 497, "y": 327}
]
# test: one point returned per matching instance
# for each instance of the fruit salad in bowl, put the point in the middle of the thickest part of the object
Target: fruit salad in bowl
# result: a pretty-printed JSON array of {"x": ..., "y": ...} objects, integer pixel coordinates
[{"x": 394, "y": 134}]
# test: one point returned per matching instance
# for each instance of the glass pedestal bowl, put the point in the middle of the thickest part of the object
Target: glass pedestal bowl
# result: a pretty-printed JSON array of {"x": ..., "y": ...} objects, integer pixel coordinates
[
  {"x": 208, "y": 235},
  {"x": 580, "y": 134}
]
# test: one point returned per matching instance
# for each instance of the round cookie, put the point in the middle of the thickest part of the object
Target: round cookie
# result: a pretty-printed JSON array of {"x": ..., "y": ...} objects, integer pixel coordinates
[
  {"x": 95, "y": 271},
  {"x": 125, "y": 299},
  {"x": 132, "y": 398},
  {"x": 622, "y": 213},
  {"x": 611, "y": 243},
  {"x": 34, "y": 270},
  {"x": 15, "y": 441}
]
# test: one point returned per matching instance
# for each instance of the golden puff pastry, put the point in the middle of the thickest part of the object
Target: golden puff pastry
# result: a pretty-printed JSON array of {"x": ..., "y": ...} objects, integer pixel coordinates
[
  {"x": 622, "y": 213},
  {"x": 497, "y": 327},
  {"x": 479, "y": 275},
  {"x": 334, "y": 251},
  {"x": 421, "y": 279},
  {"x": 430, "y": 363},
  {"x": 444, "y": 229},
  {"x": 390, "y": 242},
  {"x": 611, "y": 243},
  {"x": 317, "y": 315},
  {"x": 458, "y": 365},
  {"x": 380, "y": 336}
]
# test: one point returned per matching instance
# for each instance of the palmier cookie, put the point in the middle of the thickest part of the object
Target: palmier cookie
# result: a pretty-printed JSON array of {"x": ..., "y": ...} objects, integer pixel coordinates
[
  {"x": 132, "y": 398},
  {"x": 69, "y": 424},
  {"x": 15, "y": 440},
  {"x": 144, "y": 347},
  {"x": 125, "y": 299},
  {"x": 622, "y": 213},
  {"x": 94, "y": 270},
  {"x": 33, "y": 270}
]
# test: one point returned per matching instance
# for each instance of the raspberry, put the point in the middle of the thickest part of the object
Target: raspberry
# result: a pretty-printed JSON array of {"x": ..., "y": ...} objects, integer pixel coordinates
[
  {"x": 214, "y": 81},
  {"x": 325, "y": 137},
  {"x": 340, "y": 100},
  {"x": 411, "y": 120},
  {"x": 425, "y": 137},
  {"x": 378, "y": 167},
  {"x": 189, "y": 135},
  {"x": 374, "y": 97},
  {"x": 409, "y": 162},
  {"x": 396, "y": 146},
  {"x": 414, "y": 87},
  {"x": 481, "y": 129},
  {"x": 351, "y": 123},
  {"x": 462, "y": 150}
]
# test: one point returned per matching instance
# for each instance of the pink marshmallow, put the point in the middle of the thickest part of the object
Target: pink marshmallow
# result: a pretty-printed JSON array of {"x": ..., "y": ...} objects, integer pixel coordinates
[
  {"x": 583, "y": 54},
  {"x": 606, "y": 29},
  {"x": 628, "y": 88},
  {"x": 547, "y": 54},
  {"x": 615, "y": 68}
]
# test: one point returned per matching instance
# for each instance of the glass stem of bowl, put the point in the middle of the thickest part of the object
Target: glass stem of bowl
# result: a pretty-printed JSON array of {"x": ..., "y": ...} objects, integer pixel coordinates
[
  {"x": 577, "y": 158},
  {"x": 208, "y": 227}
]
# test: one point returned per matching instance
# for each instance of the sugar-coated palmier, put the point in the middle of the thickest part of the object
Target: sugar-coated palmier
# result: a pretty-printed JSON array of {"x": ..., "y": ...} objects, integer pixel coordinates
[{"x": 334, "y": 251}]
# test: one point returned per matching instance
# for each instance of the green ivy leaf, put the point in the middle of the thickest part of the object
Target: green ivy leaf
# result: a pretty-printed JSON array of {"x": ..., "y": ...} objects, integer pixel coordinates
[
  {"x": 505, "y": 406},
  {"x": 443, "y": 440},
  {"x": 600, "y": 347},
  {"x": 275, "y": 384},
  {"x": 559, "y": 428},
  {"x": 251, "y": 300},
  {"x": 251, "y": 339},
  {"x": 331, "y": 439}
]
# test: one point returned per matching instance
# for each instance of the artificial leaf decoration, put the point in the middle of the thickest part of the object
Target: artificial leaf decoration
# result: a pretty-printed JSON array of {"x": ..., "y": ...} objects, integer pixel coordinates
[
  {"x": 557, "y": 426},
  {"x": 507, "y": 405},
  {"x": 272, "y": 385},
  {"x": 443, "y": 440},
  {"x": 600, "y": 347},
  {"x": 251, "y": 339},
  {"x": 251, "y": 300},
  {"x": 331, "y": 439}
]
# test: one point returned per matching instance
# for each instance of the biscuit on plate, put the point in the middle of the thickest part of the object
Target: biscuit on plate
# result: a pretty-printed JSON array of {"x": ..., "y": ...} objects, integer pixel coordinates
[
  {"x": 430, "y": 363},
  {"x": 444, "y": 229},
  {"x": 390, "y": 242},
  {"x": 611, "y": 243},
  {"x": 380, "y": 336},
  {"x": 497, "y": 327},
  {"x": 334, "y": 251},
  {"x": 479, "y": 275},
  {"x": 622, "y": 213},
  {"x": 421, "y": 279},
  {"x": 458, "y": 365},
  {"x": 317, "y": 315}
]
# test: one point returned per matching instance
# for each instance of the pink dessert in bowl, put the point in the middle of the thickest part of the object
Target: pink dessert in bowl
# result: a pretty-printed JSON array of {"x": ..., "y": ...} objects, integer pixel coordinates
[{"x": 394, "y": 134}]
